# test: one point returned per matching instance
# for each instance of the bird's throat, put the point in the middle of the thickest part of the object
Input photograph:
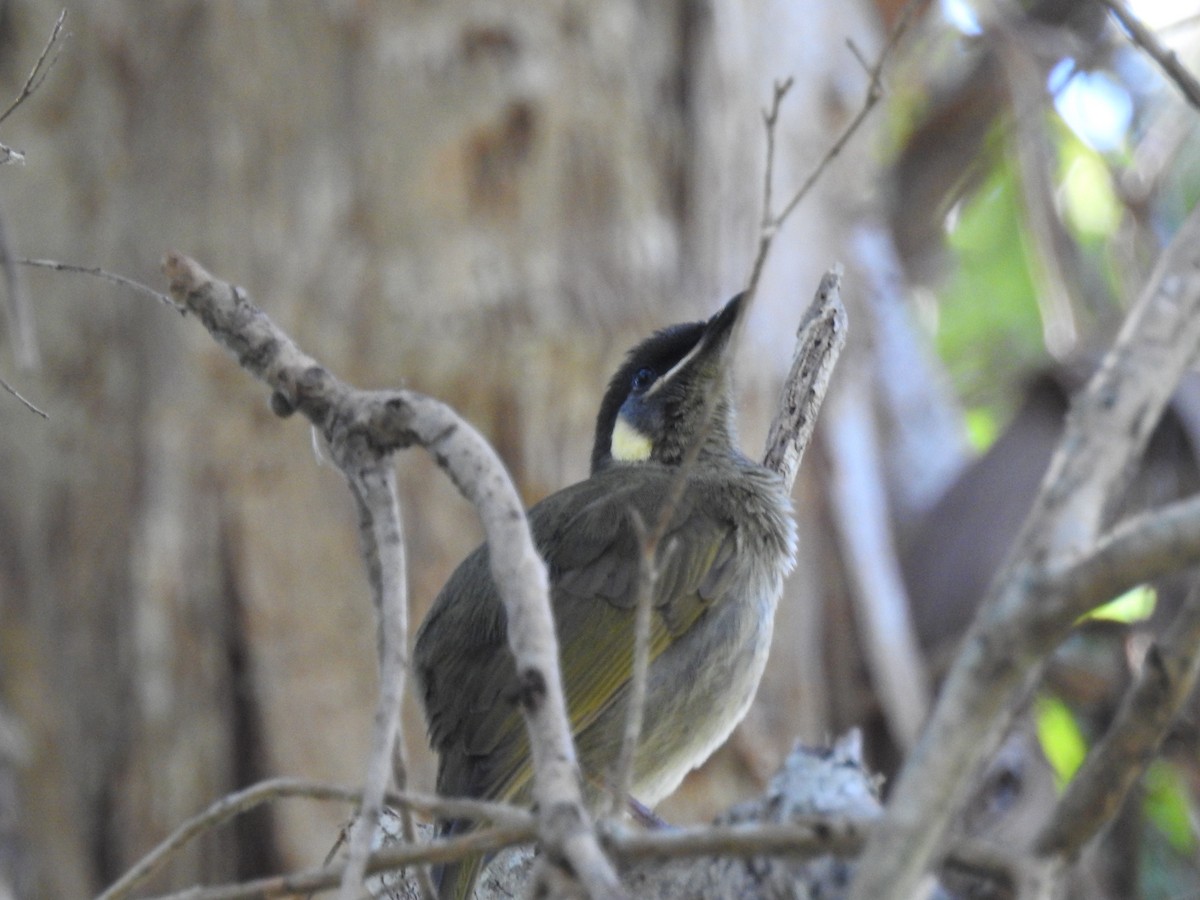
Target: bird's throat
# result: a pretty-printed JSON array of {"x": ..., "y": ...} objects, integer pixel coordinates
[{"x": 628, "y": 443}]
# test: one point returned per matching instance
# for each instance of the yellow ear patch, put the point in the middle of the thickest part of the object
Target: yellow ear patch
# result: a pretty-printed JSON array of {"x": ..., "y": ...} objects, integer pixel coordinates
[{"x": 629, "y": 444}]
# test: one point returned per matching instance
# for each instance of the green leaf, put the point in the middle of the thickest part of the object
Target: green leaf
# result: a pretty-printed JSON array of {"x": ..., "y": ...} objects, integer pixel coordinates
[
  {"x": 1166, "y": 805},
  {"x": 1062, "y": 741},
  {"x": 1135, "y": 605},
  {"x": 983, "y": 427}
]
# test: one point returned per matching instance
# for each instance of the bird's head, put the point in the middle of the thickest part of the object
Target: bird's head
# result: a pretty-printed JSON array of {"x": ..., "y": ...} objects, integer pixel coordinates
[{"x": 654, "y": 408}]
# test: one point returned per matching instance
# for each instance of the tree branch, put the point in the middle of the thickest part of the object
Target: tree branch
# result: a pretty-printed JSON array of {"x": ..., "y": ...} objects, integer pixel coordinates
[
  {"x": 820, "y": 338},
  {"x": 41, "y": 68},
  {"x": 112, "y": 277},
  {"x": 374, "y": 489},
  {"x": 243, "y": 801},
  {"x": 27, "y": 403},
  {"x": 1140, "y": 549},
  {"x": 484, "y": 840},
  {"x": 1115, "y": 764},
  {"x": 1166, "y": 59},
  {"x": 649, "y": 566},
  {"x": 363, "y": 428},
  {"x": 1005, "y": 649}
]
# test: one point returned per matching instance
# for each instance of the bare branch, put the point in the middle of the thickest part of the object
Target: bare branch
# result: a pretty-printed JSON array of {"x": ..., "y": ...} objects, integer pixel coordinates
[
  {"x": 873, "y": 96},
  {"x": 484, "y": 840},
  {"x": 1166, "y": 59},
  {"x": 28, "y": 405},
  {"x": 820, "y": 338},
  {"x": 770, "y": 121},
  {"x": 806, "y": 838},
  {"x": 648, "y": 568},
  {"x": 40, "y": 69},
  {"x": 1115, "y": 764},
  {"x": 254, "y": 796},
  {"x": 772, "y": 222},
  {"x": 363, "y": 428},
  {"x": 135, "y": 286},
  {"x": 1005, "y": 650},
  {"x": 374, "y": 489},
  {"x": 1052, "y": 250},
  {"x": 800, "y": 839},
  {"x": 1140, "y": 549}
]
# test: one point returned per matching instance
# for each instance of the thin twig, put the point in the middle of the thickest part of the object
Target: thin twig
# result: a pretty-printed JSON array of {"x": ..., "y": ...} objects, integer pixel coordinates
[
  {"x": 28, "y": 405},
  {"x": 243, "y": 801},
  {"x": 121, "y": 280},
  {"x": 649, "y": 567},
  {"x": 40, "y": 69},
  {"x": 772, "y": 222},
  {"x": 802, "y": 838},
  {"x": 1166, "y": 58},
  {"x": 1052, "y": 250},
  {"x": 380, "y": 529},
  {"x": 387, "y": 859},
  {"x": 873, "y": 96},
  {"x": 770, "y": 120}
]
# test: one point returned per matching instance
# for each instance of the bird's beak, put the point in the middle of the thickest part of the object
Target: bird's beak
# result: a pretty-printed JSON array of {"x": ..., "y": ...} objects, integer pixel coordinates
[
  {"x": 711, "y": 346},
  {"x": 720, "y": 327}
]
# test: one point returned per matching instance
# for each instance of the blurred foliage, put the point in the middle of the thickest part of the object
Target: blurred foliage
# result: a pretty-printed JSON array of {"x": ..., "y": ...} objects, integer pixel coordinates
[
  {"x": 1135, "y": 605},
  {"x": 1167, "y": 807},
  {"x": 1168, "y": 863},
  {"x": 989, "y": 331},
  {"x": 982, "y": 427},
  {"x": 1127, "y": 170},
  {"x": 1089, "y": 201},
  {"x": 1060, "y": 736}
]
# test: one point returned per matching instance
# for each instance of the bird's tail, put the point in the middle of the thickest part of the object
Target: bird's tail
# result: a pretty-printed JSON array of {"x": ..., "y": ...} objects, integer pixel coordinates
[{"x": 456, "y": 880}]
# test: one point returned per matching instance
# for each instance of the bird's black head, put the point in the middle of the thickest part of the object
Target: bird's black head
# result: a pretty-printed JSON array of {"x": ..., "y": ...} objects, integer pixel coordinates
[{"x": 655, "y": 404}]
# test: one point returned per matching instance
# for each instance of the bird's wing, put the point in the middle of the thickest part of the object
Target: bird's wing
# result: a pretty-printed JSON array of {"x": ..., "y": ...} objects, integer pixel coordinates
[
  {"x": 593, "y": 549},
  {"x": 596, "y": 577}
]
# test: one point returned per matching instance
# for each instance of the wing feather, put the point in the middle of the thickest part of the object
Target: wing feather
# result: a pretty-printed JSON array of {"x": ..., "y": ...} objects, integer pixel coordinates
[{"x": 592, "y": 548}]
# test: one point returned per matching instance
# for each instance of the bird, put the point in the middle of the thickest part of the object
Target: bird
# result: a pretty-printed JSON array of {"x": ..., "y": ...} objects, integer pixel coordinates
[{"x": 729, "y": 542}]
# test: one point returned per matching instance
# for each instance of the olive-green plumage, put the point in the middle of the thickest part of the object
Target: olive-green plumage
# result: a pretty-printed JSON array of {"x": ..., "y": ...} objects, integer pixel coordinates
[{"x": 729, "y": 543}]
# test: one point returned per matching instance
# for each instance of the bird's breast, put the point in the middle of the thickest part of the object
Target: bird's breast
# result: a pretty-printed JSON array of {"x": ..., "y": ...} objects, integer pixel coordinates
[
  {"x": 702, "y": 684},
  {"x": 701, "y": 687}
]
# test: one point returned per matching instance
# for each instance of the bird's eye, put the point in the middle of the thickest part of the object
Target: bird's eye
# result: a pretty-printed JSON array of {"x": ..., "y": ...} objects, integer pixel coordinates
[{"x": 642, "y": 379}]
